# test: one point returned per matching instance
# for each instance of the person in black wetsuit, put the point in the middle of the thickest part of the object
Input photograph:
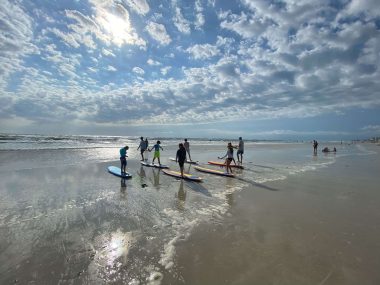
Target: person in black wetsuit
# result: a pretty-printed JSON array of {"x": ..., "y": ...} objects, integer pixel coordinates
[{"x": 181, "y": 157}]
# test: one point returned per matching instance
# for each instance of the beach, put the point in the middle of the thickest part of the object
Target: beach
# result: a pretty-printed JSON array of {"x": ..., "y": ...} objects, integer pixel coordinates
[{"x": 288, "y": 218}]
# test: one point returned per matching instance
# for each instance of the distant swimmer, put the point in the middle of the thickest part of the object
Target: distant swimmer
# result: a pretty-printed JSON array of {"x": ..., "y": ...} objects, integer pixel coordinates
[
  {"x": 240, "y": 150},
  {"x": 142, "y": 147},
  {"x": 123, "y": 158},
  {"x": 326, "y": 149},
  {"x": 157, "y": 148},
  {"x": 187, "y": 148},
  {"x": 181, "y": 157},
  {"x": 229, "y": 157}
]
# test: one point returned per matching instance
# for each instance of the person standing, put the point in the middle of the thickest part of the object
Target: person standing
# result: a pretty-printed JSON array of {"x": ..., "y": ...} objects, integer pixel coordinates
[
  {"x": 240, "y": 150},
  {"x": 156, "y": 148},
  {"x": 187, "y": 148},
  {"x": 123, "y": 158},
  {"x": 181, "y": 157},
  {"x": 315, "y": 146},
  {"x": 142, "y": 147},
  {"x": 230, "y": 157}
]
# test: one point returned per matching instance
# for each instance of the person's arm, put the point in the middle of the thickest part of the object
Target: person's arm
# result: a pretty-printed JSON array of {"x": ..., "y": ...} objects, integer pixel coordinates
[
  {"x": 223, "y": 156},
  {"x": 161, "y": 148}
]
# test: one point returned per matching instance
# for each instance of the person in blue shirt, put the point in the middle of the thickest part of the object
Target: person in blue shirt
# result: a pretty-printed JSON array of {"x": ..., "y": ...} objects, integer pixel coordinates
[
  {"x": 123, "y": 158},
  {"x": 157, "y": 148}
]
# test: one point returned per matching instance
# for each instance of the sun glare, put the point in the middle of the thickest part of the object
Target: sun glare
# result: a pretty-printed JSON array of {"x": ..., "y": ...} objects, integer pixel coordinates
[{"x": 118, "y": 30}]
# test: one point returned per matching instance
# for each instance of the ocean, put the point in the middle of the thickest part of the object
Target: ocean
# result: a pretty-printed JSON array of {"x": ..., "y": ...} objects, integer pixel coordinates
[{"x": 64, "y": 219}]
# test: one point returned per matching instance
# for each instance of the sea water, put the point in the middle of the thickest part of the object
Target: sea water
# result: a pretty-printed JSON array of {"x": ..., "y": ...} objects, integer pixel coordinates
[{"x": 65, "y": 219}]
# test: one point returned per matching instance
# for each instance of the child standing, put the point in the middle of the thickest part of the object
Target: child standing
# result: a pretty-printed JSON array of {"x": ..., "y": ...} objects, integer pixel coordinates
[
  {"x": 157, "y": 148},
  {"x": 230, "y": 157},
  {"x": 123, "y": 158}
]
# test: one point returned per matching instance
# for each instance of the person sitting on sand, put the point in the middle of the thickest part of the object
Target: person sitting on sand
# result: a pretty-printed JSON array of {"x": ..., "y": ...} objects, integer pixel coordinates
[
  {"x": 230, "y": 157},
  {"x": 326, "y": 149},
  {"x": 181, "y": 157},
  {"x": 156, "y": 148},
  {"x": 123, "y": 158}
]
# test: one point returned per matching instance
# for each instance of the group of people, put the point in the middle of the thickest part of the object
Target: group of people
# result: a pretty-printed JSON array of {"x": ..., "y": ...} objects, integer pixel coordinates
[
  {"x": 326, "y": 149},
  {"x": 182, "y": 152},
  {"x": 229, "y": 156}
]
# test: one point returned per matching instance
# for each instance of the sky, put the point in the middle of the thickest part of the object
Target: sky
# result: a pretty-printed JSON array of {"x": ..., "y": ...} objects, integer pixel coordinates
[{"x": 260, "y": 69}]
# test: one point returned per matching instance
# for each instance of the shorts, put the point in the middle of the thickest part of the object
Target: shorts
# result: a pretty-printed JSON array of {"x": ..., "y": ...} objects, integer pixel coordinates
[
  {"x": 240, "y": 151},
  {"x": 229, "y": 159},
  {"x": 142, "y": 150},
  {"x": 156, "y": 154},
  {"x": 181, "y": 163}
]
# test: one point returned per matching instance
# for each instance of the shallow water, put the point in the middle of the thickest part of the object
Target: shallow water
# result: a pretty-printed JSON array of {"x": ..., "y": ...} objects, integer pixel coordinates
[{"x": 65, "y": 219}]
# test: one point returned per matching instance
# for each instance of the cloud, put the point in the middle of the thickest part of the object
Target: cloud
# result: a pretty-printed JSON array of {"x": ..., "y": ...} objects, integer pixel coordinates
[
  {"x": 371, "y": 128},
  {"x": 158, "y": 32},
  {"x": 107, "y": 52},
  {"x": 111, "y": 68},
  {"x": 16, "y": 38},
  {"x": 153, "y": 62},
  {"x": 138, "y": 70},
  {"x": 139, "y": 6},
  {"x": 180, "y": 22},
  {"x": 203, "y": 51},
  {"x": 165, "y": 70}
]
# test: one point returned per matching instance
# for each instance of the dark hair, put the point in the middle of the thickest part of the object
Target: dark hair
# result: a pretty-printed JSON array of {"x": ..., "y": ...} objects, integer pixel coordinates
[
  {"x": 158, "y": 142},
  {"x": 180, "y": 145},
  {"x": 126, "y": 147},
  {"x": 141, "y": 138},
  {"x": 185, "y": 140}
]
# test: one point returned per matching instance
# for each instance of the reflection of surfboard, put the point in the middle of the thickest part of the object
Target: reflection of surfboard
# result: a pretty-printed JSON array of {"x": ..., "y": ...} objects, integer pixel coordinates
[
  {"x": 186, "y": 161},
  {"x": 213, "y": 171},
  {"x": 223, "y": 164},
  {"x": 154, "y": 165},
  {"x": 185, "y": 175},
  {"x": 117, "y": 171}
]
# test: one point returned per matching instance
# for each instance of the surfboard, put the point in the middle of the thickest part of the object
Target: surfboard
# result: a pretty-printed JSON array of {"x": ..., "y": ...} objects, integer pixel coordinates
[
  {"x": 223, "y": 164},
  {"x": 186, "y": 161},
  {"x": 154, "y": 165},
  {"x": 117, "y": 171},
  {"x": 213, "y": 171},
  {"x": 185, "y": 175}
]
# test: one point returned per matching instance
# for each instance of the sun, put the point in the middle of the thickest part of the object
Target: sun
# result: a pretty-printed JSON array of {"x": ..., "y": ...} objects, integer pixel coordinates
[{"x": 117, "y": 30}]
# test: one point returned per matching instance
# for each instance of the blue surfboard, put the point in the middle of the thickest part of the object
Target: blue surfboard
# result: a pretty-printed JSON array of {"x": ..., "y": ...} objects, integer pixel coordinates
[{"x": 117, "y": 171}]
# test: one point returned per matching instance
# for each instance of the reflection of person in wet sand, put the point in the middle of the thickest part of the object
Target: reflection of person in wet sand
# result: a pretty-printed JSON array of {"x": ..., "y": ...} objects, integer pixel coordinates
[
  {"x": 181, "y": 195},
  {"x": 123, "y": 185},
  {"x": 142, "y": 172},
  {"x": 156, "y": 177}
]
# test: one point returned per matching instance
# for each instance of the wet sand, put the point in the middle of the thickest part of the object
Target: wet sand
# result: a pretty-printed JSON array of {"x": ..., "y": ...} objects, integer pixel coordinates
[
  {"x": 319, "y": 227},
  {"x": 77, "y": 224}
]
